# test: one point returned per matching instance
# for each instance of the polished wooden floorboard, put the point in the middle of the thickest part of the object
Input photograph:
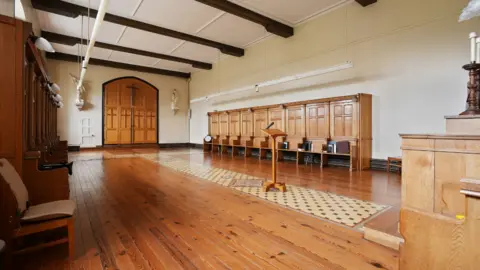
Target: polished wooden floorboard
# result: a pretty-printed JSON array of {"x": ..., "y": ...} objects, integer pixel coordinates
[{"x": 136, "y": 214}]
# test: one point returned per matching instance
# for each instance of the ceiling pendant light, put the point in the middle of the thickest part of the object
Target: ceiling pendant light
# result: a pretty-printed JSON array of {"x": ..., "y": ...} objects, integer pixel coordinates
[
  {"x": 44, "y": 45},
  {"x": 55, "y": 87}
]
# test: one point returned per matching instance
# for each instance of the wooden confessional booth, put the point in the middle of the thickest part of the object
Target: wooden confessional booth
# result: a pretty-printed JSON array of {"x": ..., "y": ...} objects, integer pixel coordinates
[{"x": 28, "y": 121}]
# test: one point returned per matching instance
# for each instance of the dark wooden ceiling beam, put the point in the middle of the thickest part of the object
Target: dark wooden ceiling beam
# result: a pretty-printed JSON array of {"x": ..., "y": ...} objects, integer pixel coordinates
[
  {"x": 73, "y": 11},
  {"x": 71, "y": 41},
  {"x": 106, "y": 63},
  {"x": 365, "y": 3},
  {"x": 271, "y": 25}
]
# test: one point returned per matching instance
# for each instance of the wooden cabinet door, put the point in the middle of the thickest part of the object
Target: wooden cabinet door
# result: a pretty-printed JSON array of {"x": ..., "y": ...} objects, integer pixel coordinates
[
  {"x": 295, "y": 121},
  {"x": 223, "y": 119},
  {"x": 260, "y": 118},
  {"x": 277, "y": 116},
  {"x": 317, "y": 121},
  {"x": 247, "y": 123},
  {"x": 234, "y": 124},
  {"x": 214, "y": 125},
  {"x": 343, "y": 119}
]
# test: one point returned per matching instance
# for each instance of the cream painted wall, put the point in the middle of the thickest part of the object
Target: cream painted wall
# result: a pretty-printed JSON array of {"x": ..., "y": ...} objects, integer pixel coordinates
[
  {"x": 25, "y": 12},
  {"x": 407, "y": 53},
  {"x": 7, "y": 8},
  {"x": 172, "y": 128}
]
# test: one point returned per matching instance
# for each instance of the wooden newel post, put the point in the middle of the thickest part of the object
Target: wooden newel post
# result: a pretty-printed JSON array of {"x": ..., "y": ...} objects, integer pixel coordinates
[{"x": 273, "y": 134}]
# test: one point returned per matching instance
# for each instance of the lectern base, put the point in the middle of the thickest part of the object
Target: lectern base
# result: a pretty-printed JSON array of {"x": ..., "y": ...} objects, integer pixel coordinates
[{"x": 269, "y": 185}]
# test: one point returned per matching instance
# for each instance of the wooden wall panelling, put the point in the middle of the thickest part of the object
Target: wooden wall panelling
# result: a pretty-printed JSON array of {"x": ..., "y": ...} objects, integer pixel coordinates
[
  {"x": 260, "y": 121},
  {"x": 277, "y": 116},
  {"x": 246, "y": 127},
  {"x": 343, "y": 119},
  {"x": 317, "y": 121},
  {"x": 365, "y": 138},
  {"x": 223, "y": 120},
  {"x": 448, "y": 200},
  {"x": 31, "y": 104},
  {"x": 295, "y": 126},
  {"x": 418, "y": 193},
  {"x": 317, "y": 125},
  {"x": 214, "y": 126},
  {"x": 336, "y": 118},
  {"x": 7, "y": 93},
  {"x": 234, "y": 127}
]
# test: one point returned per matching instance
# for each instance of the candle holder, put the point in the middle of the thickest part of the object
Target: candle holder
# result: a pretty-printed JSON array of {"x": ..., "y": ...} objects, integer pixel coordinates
[{"x": 473, "y": 89}]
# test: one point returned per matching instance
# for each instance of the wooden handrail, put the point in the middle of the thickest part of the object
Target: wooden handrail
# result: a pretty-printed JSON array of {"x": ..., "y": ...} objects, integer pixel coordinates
[{"x": 470, "y": 187}]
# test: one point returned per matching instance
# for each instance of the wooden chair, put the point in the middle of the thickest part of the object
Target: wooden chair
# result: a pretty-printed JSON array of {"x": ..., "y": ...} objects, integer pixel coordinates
[{"x": 40, "y": 217}]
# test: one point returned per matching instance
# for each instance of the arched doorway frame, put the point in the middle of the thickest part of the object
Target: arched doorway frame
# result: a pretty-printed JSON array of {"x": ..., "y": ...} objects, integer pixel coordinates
[{"x": 103, "y": 103}]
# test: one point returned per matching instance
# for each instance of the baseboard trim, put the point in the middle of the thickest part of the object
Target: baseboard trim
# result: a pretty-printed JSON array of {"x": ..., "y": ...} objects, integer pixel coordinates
[
  {"x": 174, "y": 145},
  {"x": 196, "y": 145},
  {"x": 73, "y": 148}
]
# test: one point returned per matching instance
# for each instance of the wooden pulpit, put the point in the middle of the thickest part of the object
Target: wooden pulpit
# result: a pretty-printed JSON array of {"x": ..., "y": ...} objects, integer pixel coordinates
[{"x": 274, "y": 133}]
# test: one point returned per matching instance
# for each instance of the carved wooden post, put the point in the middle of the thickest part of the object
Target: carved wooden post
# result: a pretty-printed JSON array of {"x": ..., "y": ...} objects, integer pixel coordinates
[{"x": 473, "y": 85}]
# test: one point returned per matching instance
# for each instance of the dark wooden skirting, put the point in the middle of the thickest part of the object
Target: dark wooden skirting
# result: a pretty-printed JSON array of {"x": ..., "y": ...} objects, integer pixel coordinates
[
  {"x": 196, "y": 145},
  {"x": 69, "y": 40},
  {"x": 140, "y": 145},
  {"x": 271, "y": 25},
  {"x": 106, "y": 63},
  {"x": 174, "y": 145},
  {"x": 365, "y": 3},
  {"x": 71, "y": 10},
  {"x": 73, "y": 148}
]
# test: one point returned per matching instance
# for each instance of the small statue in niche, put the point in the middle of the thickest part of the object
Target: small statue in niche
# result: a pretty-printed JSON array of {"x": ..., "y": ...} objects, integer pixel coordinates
[
  {"x": 174, "y": 103},
  {"x": 79, "y": 101}
]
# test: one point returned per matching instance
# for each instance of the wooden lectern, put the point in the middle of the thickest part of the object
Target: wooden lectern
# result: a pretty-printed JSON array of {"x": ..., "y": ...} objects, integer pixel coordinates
[{"x": 274, "y": 133}]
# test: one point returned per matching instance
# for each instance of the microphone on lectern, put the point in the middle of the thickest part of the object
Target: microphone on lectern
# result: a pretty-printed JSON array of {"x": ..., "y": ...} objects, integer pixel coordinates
[{"x": 269, "y": 126}]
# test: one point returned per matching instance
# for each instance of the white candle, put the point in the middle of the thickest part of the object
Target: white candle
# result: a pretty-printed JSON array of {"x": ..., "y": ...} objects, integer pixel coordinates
[
  {"x": 478, "y": 50},
  {"x": 473, "y": 47}
]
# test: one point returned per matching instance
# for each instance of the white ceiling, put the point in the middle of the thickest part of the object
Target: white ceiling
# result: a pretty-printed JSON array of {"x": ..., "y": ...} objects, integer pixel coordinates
[{"x": 188, "y": 16}]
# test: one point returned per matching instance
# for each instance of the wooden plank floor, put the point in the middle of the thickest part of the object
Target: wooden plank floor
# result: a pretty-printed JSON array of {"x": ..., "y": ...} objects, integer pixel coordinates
[{"x": 135, "y": 214}]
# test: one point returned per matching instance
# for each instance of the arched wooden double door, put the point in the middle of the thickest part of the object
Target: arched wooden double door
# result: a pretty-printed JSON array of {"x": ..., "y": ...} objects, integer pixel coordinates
[{"x": 130, "y": 107}]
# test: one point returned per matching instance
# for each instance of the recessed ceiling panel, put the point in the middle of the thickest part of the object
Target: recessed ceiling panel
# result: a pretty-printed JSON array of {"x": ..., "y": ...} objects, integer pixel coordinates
[
  {"x": 164, "y": 64},
  {"x": 182, "y": 15},
  {"x": 98, "y": 53},
  {"x": 233, "y": 30},
  {"x": 197, "y": 52},
  {"x": 147, "y": 41},
  {"x": 121, "y": 8},
  {"x": 132, "y": 59},
  {"x": 289, "y": 11},
  {"x": 50, "y": 22}
]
